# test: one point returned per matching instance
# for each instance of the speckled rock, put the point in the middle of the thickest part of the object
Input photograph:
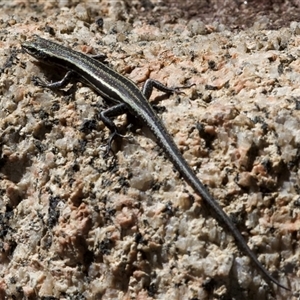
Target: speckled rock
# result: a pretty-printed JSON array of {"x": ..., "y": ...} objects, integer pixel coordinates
[{"x": 76, "y": 224}]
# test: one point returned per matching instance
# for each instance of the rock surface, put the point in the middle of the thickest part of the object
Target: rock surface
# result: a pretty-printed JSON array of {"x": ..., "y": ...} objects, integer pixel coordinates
[{"x": 77, "y": 225}]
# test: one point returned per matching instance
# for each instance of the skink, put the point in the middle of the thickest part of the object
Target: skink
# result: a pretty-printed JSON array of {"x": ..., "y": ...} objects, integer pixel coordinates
[{"x": 127, "y": 97}]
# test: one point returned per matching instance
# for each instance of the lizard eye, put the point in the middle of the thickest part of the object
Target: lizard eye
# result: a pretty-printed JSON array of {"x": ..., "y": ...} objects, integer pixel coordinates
[
  {"x": 28, "y": 48},
  {"x": 33, "y": 51}
]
